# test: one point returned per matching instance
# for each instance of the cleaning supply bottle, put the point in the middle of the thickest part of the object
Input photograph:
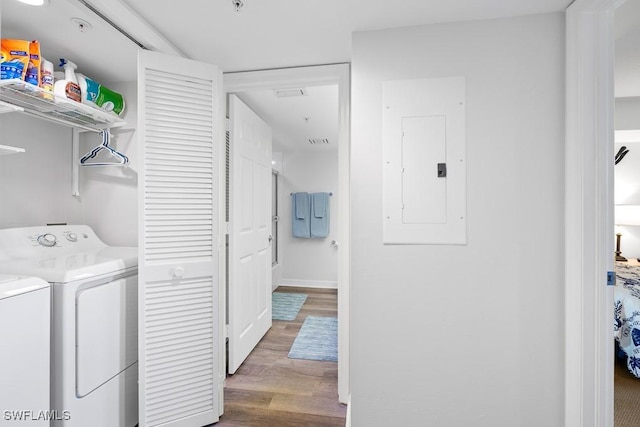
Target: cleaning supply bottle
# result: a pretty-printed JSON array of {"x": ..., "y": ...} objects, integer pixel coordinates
[
  {"x": 33, "y": 68},
  {"x": 110, "y": 100},
  {"x": 46, "y": 78},
  {"x": 99, "y": 96},
  {"x": 89, "y": 89},
  {"x": 68, "y": 87}
]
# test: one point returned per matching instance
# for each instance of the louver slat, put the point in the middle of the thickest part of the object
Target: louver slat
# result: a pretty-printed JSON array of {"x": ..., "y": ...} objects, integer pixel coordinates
[
  {"x": 186, "y": 232},
  {"x": 168, "y": 155},
  {"x": 179, "y": 312},
  {"x": 184, "y": 154},
  {"x": 169, "y": 348}
]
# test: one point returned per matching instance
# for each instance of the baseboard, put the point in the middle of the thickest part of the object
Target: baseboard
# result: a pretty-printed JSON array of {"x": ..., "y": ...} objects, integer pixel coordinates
[
  {"x": 323, "y": 284},
  {"x": 348, "y": 420},
  {"x": 221, "y": 379}
]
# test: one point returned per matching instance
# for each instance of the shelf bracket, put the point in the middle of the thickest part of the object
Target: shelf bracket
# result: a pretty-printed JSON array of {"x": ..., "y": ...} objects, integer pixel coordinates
[{"x": 75, "y": 167}]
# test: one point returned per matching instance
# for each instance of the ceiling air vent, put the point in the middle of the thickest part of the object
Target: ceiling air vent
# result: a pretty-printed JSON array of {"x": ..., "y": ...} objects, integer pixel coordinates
[
  {"x": 286, "y": 93},
  {"x": 315, "y": 141}
]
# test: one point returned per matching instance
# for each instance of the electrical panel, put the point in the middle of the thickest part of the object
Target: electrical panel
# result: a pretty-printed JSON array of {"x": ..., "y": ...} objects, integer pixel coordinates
[{"x": 424, "y": 164}]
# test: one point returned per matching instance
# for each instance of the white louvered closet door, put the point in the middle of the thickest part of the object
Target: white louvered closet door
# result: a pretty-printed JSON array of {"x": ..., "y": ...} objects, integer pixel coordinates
[{"x": 178, "y": 119}]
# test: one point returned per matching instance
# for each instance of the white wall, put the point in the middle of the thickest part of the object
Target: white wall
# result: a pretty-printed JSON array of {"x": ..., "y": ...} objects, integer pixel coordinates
[
  {"x": 109, "y": 194},
  {"x": 465, "y": 335},
  {"x": 35, "y": 186},
  {"x": 627, "y": 173},
  {"x": 627, "y": 113},
  {"x": 309, "y": 262}
]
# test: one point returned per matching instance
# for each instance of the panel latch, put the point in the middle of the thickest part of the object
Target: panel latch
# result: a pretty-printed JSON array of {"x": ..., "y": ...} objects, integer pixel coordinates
[
  {"x": 611, "y": 278},
  {"x": 442, "y": 170}
]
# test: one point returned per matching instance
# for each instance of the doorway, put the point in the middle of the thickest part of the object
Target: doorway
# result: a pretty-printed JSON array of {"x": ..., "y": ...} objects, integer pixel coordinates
[
  {"x": 337, "y": 74},
  {"x": 627, "y": 210}
]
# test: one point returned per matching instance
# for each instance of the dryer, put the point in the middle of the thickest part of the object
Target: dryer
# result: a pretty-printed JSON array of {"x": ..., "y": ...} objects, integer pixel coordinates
[
  {"x": 24, "y": 359},
  {"x": 94, "y": 329}
]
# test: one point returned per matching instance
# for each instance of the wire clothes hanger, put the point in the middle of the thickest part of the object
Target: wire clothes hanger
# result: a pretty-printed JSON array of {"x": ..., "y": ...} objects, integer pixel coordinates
[
  {"x": 120, "y": 159},
  {"x": 620, "y": 154}
]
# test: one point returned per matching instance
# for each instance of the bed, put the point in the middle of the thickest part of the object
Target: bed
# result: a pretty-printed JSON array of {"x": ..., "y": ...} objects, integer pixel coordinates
[{"x": 627, "y": 313}]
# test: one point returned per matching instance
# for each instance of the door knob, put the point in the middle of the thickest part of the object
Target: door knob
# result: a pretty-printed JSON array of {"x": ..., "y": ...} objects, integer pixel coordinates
[{"x": 270, "y": 238}]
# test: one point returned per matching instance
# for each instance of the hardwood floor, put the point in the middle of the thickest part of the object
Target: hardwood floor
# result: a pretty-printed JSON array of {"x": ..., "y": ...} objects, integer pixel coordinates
[{"x": 271, "y": 390}]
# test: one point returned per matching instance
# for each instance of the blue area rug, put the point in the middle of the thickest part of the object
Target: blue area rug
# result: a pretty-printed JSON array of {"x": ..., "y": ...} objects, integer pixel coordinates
[
  {"x": 317, "y": 340},
  {"x": 286, "y": 306}
]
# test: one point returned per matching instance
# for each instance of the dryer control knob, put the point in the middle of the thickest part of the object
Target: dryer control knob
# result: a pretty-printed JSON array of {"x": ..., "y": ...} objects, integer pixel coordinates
[
  {"x": 48, "y": 240},
  {"x": 72, "y": 237}
]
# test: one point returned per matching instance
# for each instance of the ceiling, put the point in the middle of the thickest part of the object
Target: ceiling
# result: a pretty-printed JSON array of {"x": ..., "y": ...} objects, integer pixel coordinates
[
  {"x": 296, "y": 119},
  {"x": 280, "y": 33},
  {"x": 263, "y": 34},
  {"x": 100, "y": 52}
]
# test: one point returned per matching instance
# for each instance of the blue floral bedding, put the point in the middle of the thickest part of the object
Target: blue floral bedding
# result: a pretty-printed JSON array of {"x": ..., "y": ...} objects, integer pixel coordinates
[{"x": 627, "y": 314}]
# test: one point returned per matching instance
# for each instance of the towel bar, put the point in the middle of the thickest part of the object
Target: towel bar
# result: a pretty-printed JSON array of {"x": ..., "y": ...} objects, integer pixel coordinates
[{"x": 291, "y": 194}]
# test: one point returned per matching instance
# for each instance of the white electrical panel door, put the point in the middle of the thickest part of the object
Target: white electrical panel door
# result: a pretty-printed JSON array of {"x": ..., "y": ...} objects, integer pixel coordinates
[
  {"x": 424, "y": 172},
  {"x": 423, "y": 145}
]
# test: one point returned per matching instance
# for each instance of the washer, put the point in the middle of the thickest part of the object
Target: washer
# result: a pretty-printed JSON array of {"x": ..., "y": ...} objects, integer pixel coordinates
[
  {"x": 94, "y": 329},
  {"x": 25, "y": 305}
]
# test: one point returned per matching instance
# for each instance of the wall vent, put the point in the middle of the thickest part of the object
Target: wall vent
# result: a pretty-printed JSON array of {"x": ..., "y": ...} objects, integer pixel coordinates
[
  {"x": 287, "y": 93},
  {"x": 315, "y": 141}
]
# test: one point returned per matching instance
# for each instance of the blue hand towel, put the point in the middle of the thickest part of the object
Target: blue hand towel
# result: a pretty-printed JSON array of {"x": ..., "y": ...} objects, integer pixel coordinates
[
  {"x": 320, "y": 217},
  {"x": 319, "y": 204},
  {"x": 302, "y": 205},
  {"x": 300, "y": 218}
]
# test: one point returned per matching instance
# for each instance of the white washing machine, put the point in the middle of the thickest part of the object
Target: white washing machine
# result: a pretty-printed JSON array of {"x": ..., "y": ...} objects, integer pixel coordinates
[
  {"x": 25, "y": 314},
  {"x": 94, "y": 329}
]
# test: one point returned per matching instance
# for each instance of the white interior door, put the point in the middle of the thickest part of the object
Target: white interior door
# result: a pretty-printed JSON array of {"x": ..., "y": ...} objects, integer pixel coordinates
[
  {"x": 250, "y": 240},
  {"x": 178, "y": 137}
]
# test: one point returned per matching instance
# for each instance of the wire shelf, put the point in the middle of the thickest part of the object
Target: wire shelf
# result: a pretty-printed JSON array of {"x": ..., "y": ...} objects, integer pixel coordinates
[
  {"x": 6, "y": 149},
  {"x": 35, "y": 101}
]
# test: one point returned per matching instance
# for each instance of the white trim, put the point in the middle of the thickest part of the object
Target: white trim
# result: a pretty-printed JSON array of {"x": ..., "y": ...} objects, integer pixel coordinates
[
  {"x": 343, "y": 77},
  {"x": 135, "y": 25},
  {"x": 309, "y": 76},
  {"x": 222, "y": 253},
  {"x": 322, "y": 284},
  {"x": 589, "y": 214},
  {"x": 284, "y": 78},
  {"x": 348, "y": 420},
  {"x": 627, "y": 136}
]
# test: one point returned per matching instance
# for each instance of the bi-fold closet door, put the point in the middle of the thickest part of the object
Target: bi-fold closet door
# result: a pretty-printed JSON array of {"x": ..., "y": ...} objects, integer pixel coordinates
[{"x": 179, "y": 121}]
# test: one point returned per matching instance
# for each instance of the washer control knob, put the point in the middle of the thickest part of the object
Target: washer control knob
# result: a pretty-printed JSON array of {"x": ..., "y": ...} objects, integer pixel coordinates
[
  {"x": 72, "y": 237},
  {"x": 48, "y": 240}
]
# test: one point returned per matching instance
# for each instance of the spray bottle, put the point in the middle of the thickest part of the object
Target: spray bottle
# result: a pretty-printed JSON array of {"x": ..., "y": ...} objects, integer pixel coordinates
[{"x": 68, "y": 87}]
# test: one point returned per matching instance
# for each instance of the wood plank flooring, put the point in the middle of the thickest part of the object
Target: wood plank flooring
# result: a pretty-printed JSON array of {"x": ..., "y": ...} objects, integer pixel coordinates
[{"x": 271, "y": 390}]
